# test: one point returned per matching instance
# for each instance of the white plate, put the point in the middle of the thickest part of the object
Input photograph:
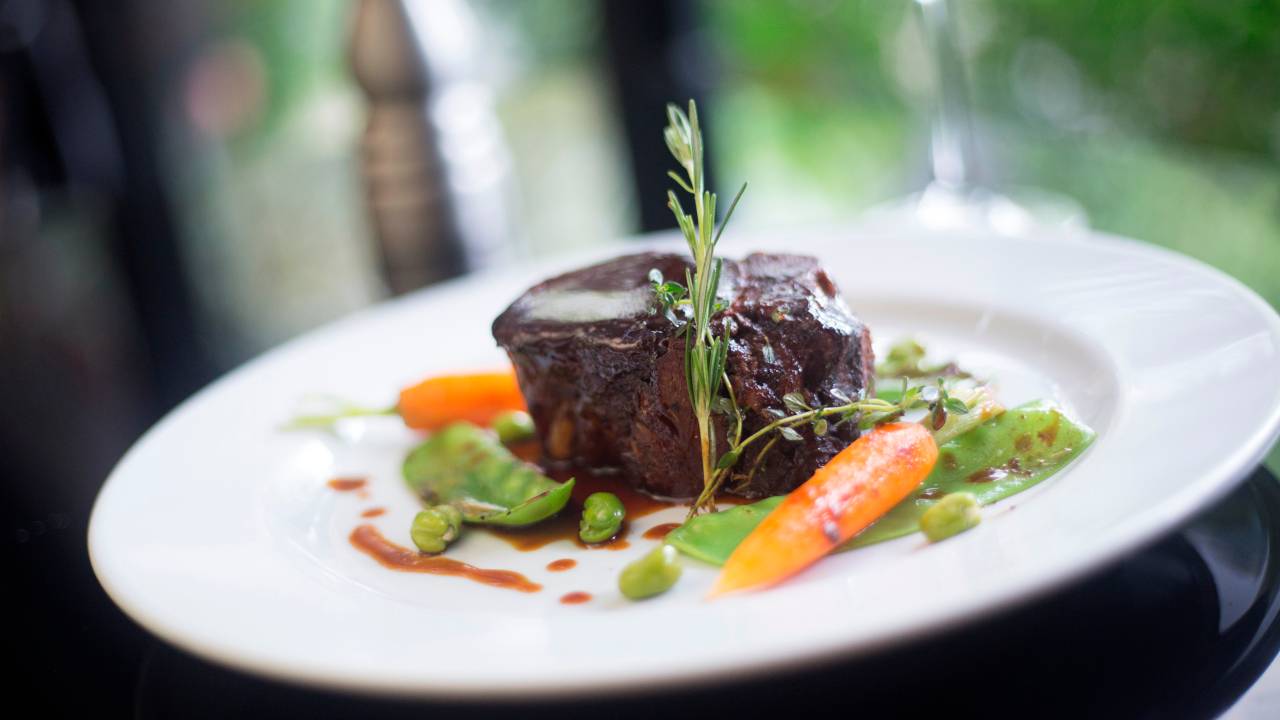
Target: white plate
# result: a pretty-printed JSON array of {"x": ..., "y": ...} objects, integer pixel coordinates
[{"x": 219, "y": 534}]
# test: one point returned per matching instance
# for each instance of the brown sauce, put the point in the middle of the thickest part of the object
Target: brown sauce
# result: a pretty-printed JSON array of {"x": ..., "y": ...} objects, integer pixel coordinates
[
  {"x": 368, "y": 540},
  {"x": 637, "y": 503},
  {"x": 658, "y": 532},
  {"x": 1023, "y": 443},
  {"x": 932, "y": 493},
  {"x": 985, "y": 475},
  {"x": 948, "y": 461},
  {"x": 348, "y": 483},
  {"x": 989, "y": 474},
  {"x": 374, "y": 512},
  {"x": 575, "y": 598},
  {"x": 1049, "y": 434},
  {"x": 527, "y": 450},
  {"x": 563, "y": 526},
  {"x": 562, "y": 565}
]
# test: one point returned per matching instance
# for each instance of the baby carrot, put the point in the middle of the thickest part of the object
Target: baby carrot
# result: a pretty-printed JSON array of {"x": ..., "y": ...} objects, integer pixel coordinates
[
  {"x": 842, "y": 498},
  {"x": 476, "y": 397}
]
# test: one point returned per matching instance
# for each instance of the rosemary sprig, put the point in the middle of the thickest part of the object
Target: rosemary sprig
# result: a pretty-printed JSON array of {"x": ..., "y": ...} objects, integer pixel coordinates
[{"x": 705, "y": 352}]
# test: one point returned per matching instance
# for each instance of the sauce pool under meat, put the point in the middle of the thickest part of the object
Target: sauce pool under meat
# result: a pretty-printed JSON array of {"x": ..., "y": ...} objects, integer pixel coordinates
[
  {"x": 564, "y": 526},
  {"x": 658, "y": 532},
  {"x": 368, "y": 540},
  {"x": 637, "y": 503}
]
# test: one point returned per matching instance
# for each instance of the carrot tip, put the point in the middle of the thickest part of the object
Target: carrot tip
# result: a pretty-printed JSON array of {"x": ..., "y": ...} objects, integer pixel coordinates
[{"x": 722, "y": 587}]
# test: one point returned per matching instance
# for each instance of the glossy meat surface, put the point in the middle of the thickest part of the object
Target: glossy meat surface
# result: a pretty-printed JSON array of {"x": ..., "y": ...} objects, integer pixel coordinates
[{"x": 603, "y": 371}]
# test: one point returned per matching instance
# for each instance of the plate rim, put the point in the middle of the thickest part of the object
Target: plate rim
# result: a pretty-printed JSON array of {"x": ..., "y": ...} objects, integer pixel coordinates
[{"x": 1227, "y": 474}]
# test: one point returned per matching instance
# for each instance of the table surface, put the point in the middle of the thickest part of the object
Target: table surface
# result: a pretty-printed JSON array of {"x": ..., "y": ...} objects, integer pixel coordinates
[{"x": 1182, "y": 628}]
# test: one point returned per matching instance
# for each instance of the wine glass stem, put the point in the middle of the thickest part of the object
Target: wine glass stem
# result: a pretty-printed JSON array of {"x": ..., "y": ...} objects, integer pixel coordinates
[{"x": 951, "y": 143}]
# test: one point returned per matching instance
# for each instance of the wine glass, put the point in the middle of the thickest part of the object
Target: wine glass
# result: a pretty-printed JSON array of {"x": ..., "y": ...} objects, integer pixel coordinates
[{"x": 956, "y": 196}]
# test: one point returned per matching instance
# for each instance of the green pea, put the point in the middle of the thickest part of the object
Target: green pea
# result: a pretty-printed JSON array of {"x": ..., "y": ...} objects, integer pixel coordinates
[
  {"x": 951, "y": 515},
  {"x": 651, "y": 575},
  {"x": 513, "y": 426},
  {"x": 434, "y": 528},
  {"x": 602, "y": 516}
]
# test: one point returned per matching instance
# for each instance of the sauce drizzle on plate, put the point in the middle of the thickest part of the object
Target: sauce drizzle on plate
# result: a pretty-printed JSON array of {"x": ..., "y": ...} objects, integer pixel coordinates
[
  {"x": 368, "y": 540},
  {"x": 347, "y": 483}
]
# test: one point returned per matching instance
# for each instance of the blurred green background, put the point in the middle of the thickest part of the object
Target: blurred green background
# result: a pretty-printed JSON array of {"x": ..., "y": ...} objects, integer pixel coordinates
[{"x": 1160, "y": 117}]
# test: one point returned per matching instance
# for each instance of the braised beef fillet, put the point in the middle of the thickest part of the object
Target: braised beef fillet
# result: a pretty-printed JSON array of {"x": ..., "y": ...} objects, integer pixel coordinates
[{"x": 603, "y": 371}]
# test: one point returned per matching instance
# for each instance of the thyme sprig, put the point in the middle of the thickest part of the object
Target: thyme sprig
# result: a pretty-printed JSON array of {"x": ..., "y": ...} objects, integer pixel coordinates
[
  {"x": 670, "y": 295},
  {"x": 705, "y": 352},
  {"x": 939, "y": 402}
]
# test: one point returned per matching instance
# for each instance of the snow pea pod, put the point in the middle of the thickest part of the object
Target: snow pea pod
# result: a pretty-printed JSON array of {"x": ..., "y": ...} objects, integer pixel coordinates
[
  {"x": 1001, "y": 457},
  {"x": 712, "y": 538},
  {"x": 1004, "y": 456},
  {"x": 467, "y": 467}
]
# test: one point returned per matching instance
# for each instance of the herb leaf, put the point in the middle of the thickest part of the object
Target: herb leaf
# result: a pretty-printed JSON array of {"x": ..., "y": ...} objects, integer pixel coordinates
[
  {"x": 795, "y": 402},
  {"x": 789, "y": 433},
  {"x": 706, "y": 353}
]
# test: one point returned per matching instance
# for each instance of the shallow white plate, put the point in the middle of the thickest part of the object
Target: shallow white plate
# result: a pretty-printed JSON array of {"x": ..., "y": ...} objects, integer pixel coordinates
[{"x": 218, "y": 532}]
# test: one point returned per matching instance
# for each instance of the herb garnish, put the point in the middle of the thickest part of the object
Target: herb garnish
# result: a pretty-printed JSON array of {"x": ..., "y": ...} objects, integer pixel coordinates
[
  {"x": 669, "y": 294},
  {"x": 940, "y": 404},
  {"x": 706, "y": 352}
]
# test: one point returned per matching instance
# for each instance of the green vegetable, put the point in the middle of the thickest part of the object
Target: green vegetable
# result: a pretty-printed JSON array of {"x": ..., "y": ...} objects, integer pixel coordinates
[
  {"x": 965, "y": 410},
  {"x": 602, "y": 515},
  {"x": 951, "y": 515},
  {"x": 1001, "y": 457},
  {"x": 903, "y": 360},
  {"x": 652, "y": 574},
  {"x": 712, "y": 538},
  {"x": 434, "y": 528},
  {"x": 513, "y": 426},
  {"x": 465, "y": 466},
  {"x": 906, "y": 360}
]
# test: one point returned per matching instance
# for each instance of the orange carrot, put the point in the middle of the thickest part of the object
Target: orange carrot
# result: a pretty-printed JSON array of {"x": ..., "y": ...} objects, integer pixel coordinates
[
  {"x": 842, "y": 498},
  {"x": 476, "y": 397}
]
